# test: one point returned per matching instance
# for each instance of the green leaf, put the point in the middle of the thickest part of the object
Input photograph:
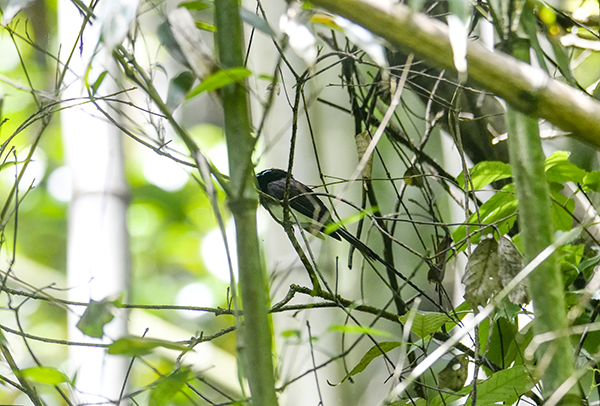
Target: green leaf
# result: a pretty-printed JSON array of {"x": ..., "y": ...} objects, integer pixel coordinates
[
  {"x": 196, "y": 5},
  {"x": 347, "y": 329},
  {"x": 219, "y": 79},
  {"x": 562, "y": 60},
  {"x": 168, "y": 42},
  {"x": 460, "y": 311},
  {"x": 561, "y": 208},
  {"x": 569, "y": 257},
  {"x": 137, "y": 346},
  {"x": 484, "y": 173},
  {"x": 167, "y": 387},
  {"x": 499, "y": 206},
  {"x": 426, "y": 323},
  {"x": 95, "y": 317},
  {"x": 481, "y": 277},
  {"x": 587, "y": 266},
  {"x": 591, "y": 181},
  {"x": 5, "y": 165},
  {"x": 206, "y": 26},
  {"x": 268, "y": 78},
  {"x": 45, "y": 375},
  {"x": 179, "y": 86},
  {"x": 294, "y": 333},
  {"x": 98, "y": 82},
  {"x": 530, "y": 24},
  {"x": 504, "y": 386},
  {"x": 160, "y": 67},
  {"x": 496, "y": 346},
  {"x": 257, "y": 22},
  {"x": 592, "y": 337},
  {"x": 560, "y": 170},
  {"x": 500, "y": 209},
  {"x": 555, "y": 158},
  {"x": 370, "y": 355}
]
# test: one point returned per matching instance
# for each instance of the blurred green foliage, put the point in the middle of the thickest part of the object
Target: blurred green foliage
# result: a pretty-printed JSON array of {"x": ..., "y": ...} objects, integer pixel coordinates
[{"x": 166, "y": 227}]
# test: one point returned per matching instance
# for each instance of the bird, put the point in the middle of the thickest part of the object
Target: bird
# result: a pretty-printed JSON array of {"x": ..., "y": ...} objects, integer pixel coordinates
[
  {"x": 314, "y": 216},
  {"x": 311, "y": 212}
]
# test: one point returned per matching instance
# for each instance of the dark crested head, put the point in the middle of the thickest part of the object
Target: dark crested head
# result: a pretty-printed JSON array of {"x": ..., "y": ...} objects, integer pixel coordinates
[{"x": 269, "y": 175}]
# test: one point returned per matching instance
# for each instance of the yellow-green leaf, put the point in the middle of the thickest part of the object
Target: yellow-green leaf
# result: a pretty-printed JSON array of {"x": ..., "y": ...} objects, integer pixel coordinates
[
  {"x": 484, "y": 173},
  {"x": 220, "y": 79},
  {"x": 137, "y": 346},
  {"x": 373, "y": 353},
  {"x": 45, "y": 375},
  {"x": 426, "y": 323},
  {"x": 360, "y": 330},
  {"x": 95, "y": 317},
  {"x": 167, "y": 387}
]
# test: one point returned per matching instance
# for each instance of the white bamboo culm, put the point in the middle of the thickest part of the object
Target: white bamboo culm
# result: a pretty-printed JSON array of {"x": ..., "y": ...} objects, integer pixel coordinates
[{"x": 98, "y": 248}]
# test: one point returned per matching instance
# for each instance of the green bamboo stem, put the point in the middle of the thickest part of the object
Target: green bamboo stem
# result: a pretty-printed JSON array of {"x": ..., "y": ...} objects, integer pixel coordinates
[
  {"x": 545, "y": 283},
  {"x": 255, "y": 338}
]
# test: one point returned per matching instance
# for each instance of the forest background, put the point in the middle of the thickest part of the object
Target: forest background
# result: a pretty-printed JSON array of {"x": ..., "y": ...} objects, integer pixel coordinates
[{"x": 131, "y": 133}]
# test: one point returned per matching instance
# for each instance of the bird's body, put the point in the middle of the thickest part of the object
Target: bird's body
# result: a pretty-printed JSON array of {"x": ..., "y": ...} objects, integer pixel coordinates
[{"x": 312, "y": 214}]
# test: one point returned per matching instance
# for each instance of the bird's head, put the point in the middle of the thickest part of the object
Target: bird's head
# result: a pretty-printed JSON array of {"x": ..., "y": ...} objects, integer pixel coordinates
[{"x": 269, "y": 175}]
